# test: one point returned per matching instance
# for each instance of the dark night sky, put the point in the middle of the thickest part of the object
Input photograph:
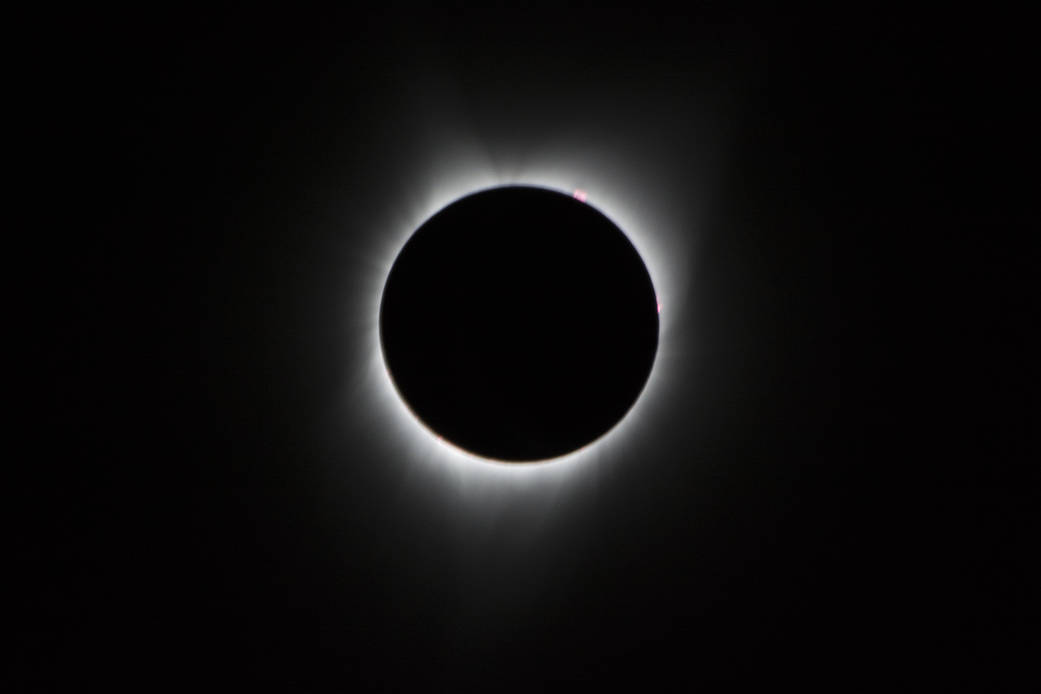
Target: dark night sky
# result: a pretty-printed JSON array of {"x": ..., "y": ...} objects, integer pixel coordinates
[{"x": 833, "y": 488}]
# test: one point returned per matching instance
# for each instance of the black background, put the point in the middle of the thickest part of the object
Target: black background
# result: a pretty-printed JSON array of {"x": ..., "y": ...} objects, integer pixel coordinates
[{"x": 839, "y": 491}]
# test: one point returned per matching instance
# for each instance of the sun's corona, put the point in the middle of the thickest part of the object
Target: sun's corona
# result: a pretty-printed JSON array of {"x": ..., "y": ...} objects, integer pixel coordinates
[{"x": 657, "y": 240}]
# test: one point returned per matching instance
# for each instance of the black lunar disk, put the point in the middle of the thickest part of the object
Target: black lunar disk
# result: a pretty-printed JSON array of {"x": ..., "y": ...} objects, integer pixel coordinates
[{"x": 519, "y": 323}]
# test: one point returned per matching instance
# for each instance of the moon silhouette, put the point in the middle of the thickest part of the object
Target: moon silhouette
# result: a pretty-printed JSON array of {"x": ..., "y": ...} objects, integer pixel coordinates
[{"x": 519, "y": 324}]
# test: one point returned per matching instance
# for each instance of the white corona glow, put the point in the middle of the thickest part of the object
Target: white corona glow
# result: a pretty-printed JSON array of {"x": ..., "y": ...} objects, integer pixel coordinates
[{"x": 645, "y": 214}]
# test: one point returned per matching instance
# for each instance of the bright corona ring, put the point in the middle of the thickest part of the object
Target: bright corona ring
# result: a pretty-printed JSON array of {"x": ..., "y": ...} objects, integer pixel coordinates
[{"x": 660, "y": 241}]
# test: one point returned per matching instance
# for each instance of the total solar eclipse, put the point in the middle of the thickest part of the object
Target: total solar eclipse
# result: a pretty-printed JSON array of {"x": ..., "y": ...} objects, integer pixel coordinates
[{"x": 519, "y": 324}]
